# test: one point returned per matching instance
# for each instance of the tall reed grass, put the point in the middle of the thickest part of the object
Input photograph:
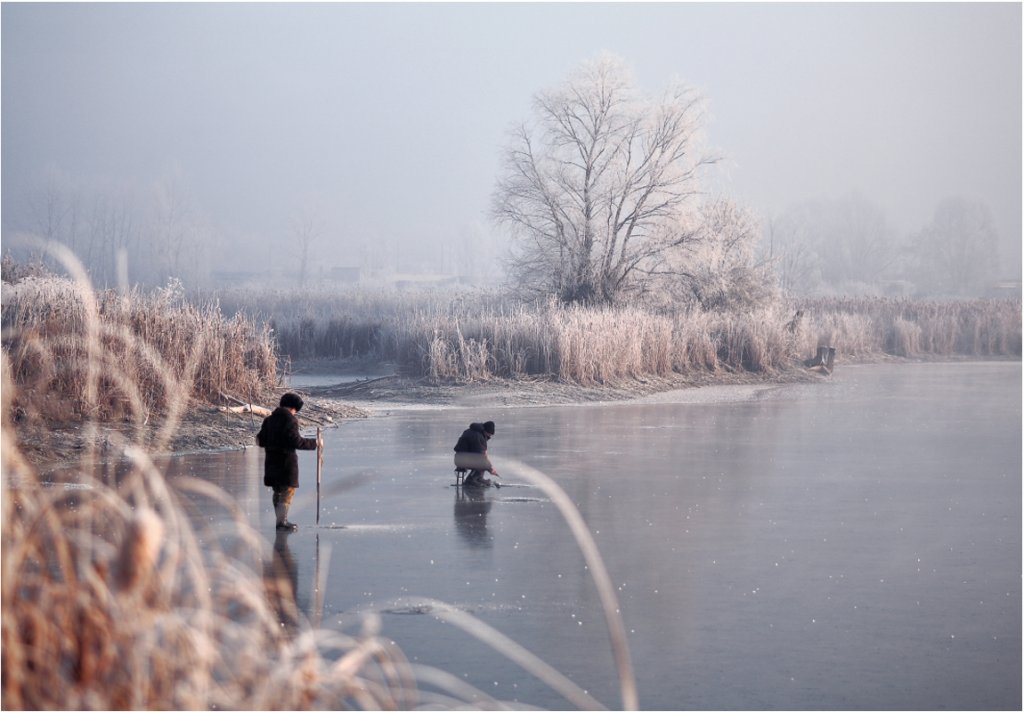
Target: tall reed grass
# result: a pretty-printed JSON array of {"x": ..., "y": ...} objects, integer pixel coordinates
[
  {"x": 477, "y": 336},
  {"x": 110, "y": 355},
  {"x": 112, "y": 599},
  {"x": 868, "y": 326}
]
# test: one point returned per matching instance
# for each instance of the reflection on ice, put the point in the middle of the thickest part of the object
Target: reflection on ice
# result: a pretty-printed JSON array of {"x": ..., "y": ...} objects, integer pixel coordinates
[
  {"x": 471, "y": 509},
  {"x": 806, "y": 550}
]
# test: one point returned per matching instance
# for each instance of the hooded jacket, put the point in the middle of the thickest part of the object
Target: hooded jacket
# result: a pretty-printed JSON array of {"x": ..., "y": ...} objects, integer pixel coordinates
[
  {"x": 279, "y": 436},
  {"x": 473, "y": 439},
  {"x": 471, "y": 449}
]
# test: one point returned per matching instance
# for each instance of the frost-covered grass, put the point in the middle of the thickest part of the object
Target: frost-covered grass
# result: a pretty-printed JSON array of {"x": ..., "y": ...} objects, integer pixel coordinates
[
  {"x": 112, "y": 598},
  {"x": 475, "y": 336},
  {"x": 76, "y": 352},
  {"x": 112, "y": 601},
  {"x": 866, "y": 326}
]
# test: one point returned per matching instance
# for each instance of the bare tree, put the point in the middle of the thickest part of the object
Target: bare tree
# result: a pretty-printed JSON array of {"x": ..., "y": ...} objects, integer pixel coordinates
[
  {"x": 51, "y": 211},
  {"x": 957, "y": 252},
  {"x": 790, "y": 252},
  {"x": 830, "y": 246},
  {"x": 112, "y": 235},
  {"x": 597, "y": 189},
  {"x": 305, "y": 231},
  {"x": 856, "y": 243},
  {"x": 179, "y": 238},
  {"x": 174, "y": 235}
]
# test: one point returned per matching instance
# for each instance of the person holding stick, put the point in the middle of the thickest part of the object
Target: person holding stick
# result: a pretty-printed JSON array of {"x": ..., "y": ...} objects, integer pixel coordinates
[{"x": 279, "y": 437}]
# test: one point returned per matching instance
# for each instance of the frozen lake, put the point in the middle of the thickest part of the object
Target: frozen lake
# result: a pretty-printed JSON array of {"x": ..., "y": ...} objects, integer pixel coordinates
[{"x": 850, "y": 544}]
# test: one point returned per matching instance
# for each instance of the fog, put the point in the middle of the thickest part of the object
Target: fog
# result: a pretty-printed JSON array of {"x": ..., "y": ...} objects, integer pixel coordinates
[{"x": 382, "y": 125}]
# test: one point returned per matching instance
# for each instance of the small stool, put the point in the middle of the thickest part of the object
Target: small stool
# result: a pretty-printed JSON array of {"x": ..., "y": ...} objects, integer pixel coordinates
[{"x": 460, "y": 474}]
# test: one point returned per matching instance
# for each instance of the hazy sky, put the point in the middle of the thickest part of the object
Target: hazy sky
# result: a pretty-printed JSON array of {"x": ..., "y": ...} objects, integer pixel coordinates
[{"x": 390, "y": 117}]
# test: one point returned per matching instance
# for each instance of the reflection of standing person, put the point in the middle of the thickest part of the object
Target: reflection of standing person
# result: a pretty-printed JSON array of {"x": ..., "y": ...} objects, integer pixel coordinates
[
  {"x": 281, "y": 579},
  {"x": 471, "y": 454},
  {"x": 279, "y": 437}
]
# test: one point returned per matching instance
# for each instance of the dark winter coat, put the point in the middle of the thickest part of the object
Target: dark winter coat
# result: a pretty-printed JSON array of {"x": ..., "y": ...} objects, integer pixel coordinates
[
  {"x": 280, "y": 437},
  {"x": 471, "y": 449},
  {"x": 473, "y": 439}
]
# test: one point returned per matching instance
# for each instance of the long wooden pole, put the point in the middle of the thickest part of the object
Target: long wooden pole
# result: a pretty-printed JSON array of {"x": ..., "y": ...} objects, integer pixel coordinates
[{"x": 319, "y": 468}]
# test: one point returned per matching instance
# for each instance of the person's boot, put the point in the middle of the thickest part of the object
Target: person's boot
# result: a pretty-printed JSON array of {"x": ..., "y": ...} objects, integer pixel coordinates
[{"x": 281, "y": 510}]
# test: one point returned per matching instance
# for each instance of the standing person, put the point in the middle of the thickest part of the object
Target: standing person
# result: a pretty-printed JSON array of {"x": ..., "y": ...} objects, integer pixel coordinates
[
  {"x": 279, "y": 436},
  {"x": 471, "y": 454}
]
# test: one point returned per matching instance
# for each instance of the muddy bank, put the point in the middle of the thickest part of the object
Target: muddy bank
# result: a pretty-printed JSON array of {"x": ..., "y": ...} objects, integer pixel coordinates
[
  {"x": 202, "y": 428},
  {"x": 385, "y": 394},
  {"x": 210, "y": 428}
]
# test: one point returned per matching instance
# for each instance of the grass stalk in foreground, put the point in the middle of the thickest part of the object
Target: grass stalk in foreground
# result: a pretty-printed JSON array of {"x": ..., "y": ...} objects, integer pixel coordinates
[{"x": 113, "y": 599}]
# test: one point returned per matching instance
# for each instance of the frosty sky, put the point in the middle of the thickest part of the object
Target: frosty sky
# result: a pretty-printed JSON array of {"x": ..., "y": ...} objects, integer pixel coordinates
[{"x": 389, "y": 118}]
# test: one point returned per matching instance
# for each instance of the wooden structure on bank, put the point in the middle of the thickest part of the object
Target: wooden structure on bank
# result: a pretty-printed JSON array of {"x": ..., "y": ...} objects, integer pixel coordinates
[{"x": 823, "y": 361}]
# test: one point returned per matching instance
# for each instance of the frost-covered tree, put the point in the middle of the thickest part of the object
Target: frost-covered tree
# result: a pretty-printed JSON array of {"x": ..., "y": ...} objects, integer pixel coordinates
[
  {"x": 956, "y": 254},
  {"x": 719, "y": 269},
  {"x": 600, "y": 187}
]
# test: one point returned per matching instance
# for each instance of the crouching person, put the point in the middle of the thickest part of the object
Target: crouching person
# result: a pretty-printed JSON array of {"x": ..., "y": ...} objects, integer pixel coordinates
[
  {"x": 471, "y": 454},
  {"x": 279, "y": 437}
]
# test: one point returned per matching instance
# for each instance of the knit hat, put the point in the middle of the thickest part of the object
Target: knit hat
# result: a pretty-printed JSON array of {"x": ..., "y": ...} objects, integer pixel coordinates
[
  {"x": 291, "y": 400},
  {"x": 489, "y": 427}
]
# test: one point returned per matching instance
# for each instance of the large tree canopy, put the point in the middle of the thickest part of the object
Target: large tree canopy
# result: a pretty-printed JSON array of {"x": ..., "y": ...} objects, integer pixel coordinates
[{"x": 600, "y": 188}]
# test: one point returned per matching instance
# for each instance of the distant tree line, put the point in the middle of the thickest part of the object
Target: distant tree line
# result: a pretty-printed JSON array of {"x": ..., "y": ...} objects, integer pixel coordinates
[
  {"x": 602, "y": 196},
  {"x": 601, "y": 191},
  {"x": 846, "y": 246},
  {"x": 123, "y": 236}
]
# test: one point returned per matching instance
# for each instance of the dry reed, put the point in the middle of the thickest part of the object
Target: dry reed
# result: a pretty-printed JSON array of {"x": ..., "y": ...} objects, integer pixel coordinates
[
  {"x": 123, "y": 356},
  {"x": 113, "y": 600},
  {"x": 477, "y": 336},
  {"x": 904, "y": 327}
]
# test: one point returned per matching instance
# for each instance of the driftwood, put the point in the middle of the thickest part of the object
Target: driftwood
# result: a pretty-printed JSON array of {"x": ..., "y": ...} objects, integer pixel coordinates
[
  {"x": 245, "y": 408},
  {"x": 242, "y": 406}
]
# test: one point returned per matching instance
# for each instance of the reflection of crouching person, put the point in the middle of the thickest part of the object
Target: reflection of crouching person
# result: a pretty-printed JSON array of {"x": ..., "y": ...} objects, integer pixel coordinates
[
  {"x": 471, "y": 454},
  {"x": 279, "y": 437}
]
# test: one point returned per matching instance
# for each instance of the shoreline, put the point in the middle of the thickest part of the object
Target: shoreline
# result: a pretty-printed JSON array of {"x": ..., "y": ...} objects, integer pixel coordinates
[
  {"x": 206, "y": 428},
  {"x": 381, "y": 396}
]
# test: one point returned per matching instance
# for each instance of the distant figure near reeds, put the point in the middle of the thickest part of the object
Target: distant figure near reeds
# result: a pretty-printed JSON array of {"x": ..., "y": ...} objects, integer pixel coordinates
[
  {"x": 279, "y": 436},
  {"x": 471, "y": 454}
]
